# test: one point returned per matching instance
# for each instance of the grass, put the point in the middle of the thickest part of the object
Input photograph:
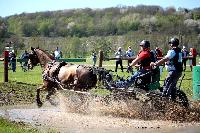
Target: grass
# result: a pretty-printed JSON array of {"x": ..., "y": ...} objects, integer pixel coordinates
[
  {"x": 34, "y": 77},
  {"x": 30, "y": 77},
  {"x": 15, "y": 127}
]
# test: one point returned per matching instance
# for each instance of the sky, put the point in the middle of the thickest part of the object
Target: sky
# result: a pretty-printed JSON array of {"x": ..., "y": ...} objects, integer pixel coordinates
[{"x": 12, "y": 7}]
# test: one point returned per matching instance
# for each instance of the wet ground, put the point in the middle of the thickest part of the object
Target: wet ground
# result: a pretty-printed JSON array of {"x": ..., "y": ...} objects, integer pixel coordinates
[
  {"x": 94, "y": 118},
  {"x": 76, "y": 114}
]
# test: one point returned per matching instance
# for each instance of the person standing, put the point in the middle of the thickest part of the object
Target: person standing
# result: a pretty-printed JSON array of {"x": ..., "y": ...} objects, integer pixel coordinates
[
  {"x": 185, "y": 54},
  {"x": 119, "y": 55},
  {"x": 129, "y": 53},
  {"x": 13, "y": 61},
  {"x": 190, "y": 59},
  {"x": 173, "y": 61},
  {"x": 193, "y": 55},
  {"x": 159, "y": 55},
  {"x": 94, "y": 58},
  {"x": 57, "y": 53},
  {"x": 24, "y": 57}
]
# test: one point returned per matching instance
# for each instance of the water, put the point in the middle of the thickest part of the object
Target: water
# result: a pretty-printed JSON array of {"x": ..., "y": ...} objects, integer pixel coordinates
[{"x": 86, "y": 114}]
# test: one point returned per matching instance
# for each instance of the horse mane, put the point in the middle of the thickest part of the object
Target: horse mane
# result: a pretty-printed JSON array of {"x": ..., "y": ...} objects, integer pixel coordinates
[
  {"x": 49, "y": 55},
  {"x": 43, "y": 56}
]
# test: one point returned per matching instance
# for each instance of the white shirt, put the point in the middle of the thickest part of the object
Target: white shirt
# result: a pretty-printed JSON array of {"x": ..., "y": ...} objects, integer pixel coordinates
[
  {"x": 119, "y": 54},
  {"x": 169, "y": 66},
  {"x": 57, "y": 54}
]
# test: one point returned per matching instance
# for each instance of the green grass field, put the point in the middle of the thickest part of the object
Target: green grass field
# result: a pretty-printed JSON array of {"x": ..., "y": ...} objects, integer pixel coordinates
[
  {"x": 14, "y": 127},
  {"x": 34, "y": 76}
]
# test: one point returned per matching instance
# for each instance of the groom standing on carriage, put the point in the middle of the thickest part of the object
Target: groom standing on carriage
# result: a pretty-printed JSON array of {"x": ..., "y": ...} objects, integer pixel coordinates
[{"x": 174, "y": 67}]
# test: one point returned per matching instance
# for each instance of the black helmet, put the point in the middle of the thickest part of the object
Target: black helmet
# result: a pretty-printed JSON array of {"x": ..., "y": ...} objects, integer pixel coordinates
[
  {"x": 174, "y": 42},
  {"x": 145, "y": 44}
]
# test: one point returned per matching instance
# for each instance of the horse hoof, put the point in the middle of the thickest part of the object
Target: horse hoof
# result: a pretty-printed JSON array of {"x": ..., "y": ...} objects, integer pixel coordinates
[
  {"x": 39, "y": 103},
  {"x": 53, "y": 102}
]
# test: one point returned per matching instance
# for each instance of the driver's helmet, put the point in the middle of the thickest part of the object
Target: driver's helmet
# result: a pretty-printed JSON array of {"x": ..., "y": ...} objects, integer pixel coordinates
[
  {"x": 174, "y": 42},
  {"x": 145, "y": 44}
]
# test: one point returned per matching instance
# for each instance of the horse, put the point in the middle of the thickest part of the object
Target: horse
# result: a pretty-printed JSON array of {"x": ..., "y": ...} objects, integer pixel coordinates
[{"x": 60, "y": 75}]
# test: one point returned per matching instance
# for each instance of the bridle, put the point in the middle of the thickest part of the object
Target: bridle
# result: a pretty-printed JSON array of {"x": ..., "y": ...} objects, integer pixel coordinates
[{"x": 40, "y": 57}]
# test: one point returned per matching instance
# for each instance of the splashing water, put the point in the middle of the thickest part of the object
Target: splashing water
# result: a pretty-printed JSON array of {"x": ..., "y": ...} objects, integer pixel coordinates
[{"x": 128, "y": 108}]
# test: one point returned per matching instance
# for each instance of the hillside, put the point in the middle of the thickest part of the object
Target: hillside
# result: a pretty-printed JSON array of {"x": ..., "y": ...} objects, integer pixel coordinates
[{"x": 117, "y": 26}]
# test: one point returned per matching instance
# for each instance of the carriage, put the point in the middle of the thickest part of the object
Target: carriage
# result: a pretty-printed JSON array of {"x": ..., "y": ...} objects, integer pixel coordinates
[{"x": 82, "y": 78}]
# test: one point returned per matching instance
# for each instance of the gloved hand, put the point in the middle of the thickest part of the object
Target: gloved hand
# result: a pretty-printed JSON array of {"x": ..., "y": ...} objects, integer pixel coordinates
[{"x": 129, "y": 68}]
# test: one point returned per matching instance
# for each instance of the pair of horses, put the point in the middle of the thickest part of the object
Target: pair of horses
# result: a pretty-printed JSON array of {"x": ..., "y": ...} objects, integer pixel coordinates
[{"x": 60, "y": 75}]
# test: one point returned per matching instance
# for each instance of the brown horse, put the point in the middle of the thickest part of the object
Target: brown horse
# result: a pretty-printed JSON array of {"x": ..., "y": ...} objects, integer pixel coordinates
[{"x": 61, "y": 75}]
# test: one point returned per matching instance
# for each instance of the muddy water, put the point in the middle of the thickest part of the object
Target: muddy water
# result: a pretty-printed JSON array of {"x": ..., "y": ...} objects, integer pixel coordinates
[{"x": 71, "y": 116}]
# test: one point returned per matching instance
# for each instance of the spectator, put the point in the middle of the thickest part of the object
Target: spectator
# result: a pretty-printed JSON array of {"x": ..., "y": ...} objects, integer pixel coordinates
[
  {"x": 159, "y": 55},
  {"x": 159, "y": 52},
  {"x": 118, "y": 56},
  {"x": 193, "y": 55},
  {"x": 185, "y": 54},
  {"x": 190, "y": 59},
  {"x": 94, "y": 58},
  {"x": 129, "y": 53},
  {"x": 57, "y": 53},
  {"x": 24, "y": 57},
  {"x": 13, "y": 61}
]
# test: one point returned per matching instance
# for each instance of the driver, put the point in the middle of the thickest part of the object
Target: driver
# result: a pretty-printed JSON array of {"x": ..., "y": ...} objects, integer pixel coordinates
[
  {"x": 144, "y": 58},
  {"x": 174, "y": 67}
]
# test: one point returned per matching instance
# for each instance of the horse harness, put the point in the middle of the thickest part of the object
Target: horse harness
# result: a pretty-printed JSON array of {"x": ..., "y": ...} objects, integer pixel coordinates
[
  {"x": 55, "y": 68},
  {"x": 54, "y": 77}
]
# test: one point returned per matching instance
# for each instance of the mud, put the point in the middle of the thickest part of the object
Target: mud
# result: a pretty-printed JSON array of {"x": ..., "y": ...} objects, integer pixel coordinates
[{"x": 88, "y": 114}]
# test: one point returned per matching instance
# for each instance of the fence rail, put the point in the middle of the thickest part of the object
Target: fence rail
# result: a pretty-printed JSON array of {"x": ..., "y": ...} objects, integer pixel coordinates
[{"x": 65, "y": 60}]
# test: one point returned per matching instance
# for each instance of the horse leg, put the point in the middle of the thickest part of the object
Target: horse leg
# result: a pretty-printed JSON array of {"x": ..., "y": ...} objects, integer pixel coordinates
[
  {"x": 48, "y": 96},
  {"x": 75, "y": 80},
  {"x": 39, "y": 103}
]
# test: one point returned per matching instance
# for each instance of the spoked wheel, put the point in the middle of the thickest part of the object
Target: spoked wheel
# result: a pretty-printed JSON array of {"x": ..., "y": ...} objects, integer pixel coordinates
[{"x": 182, "y": 99}]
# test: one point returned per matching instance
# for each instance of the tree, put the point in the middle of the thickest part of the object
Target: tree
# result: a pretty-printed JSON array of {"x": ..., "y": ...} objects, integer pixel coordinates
[
  {"x": 75, "y": 47},
  {"x": 45, "y": 27},
  {"x": 3, "y": 28},
  {"x": 29, "y": 29}
]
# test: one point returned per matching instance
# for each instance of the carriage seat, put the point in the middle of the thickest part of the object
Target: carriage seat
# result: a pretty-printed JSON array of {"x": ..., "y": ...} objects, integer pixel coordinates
[{"x": 151, "y": 77}]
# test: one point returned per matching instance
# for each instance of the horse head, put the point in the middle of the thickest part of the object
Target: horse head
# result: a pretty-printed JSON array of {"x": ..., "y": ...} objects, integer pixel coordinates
[
  {"x": 39, "y": 56},
  {"x": 33, "y": 58}
]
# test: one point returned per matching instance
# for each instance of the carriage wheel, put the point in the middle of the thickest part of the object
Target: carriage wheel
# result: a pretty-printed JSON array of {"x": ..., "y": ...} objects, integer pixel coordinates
[{"x": 182, "y": 99}]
